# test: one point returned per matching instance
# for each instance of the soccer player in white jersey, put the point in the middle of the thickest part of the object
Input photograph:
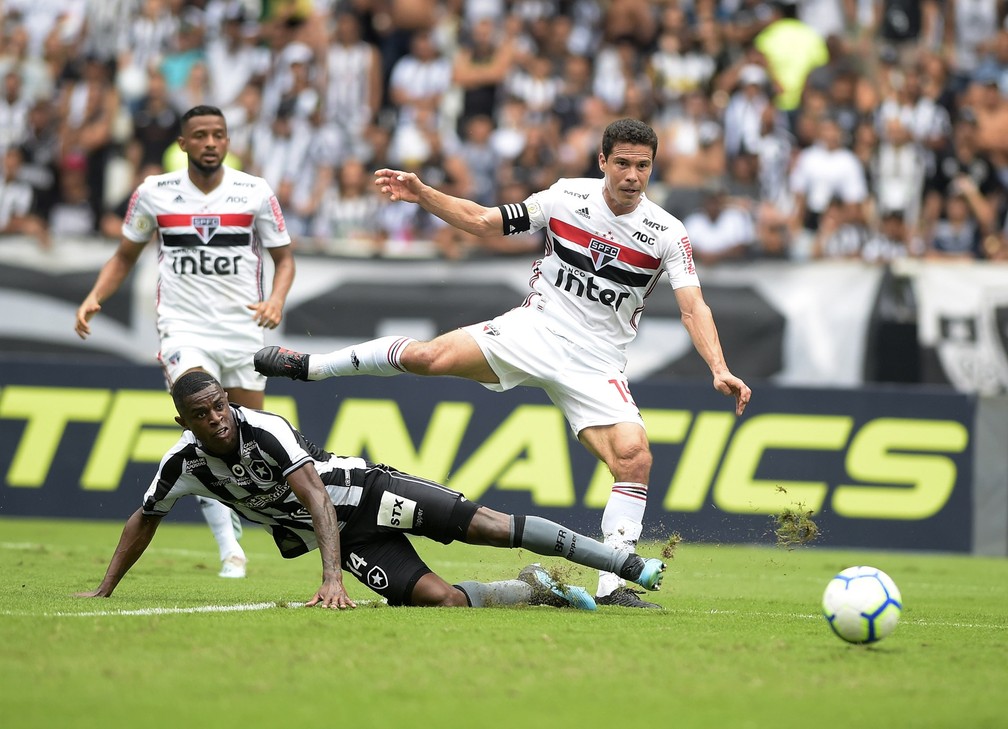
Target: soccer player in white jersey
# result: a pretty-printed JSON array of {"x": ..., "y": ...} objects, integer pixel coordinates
[
  {"x": 212, "y": 224},
  {"x": 357, "y": 514},
  {"x": 607, "y": 247}
]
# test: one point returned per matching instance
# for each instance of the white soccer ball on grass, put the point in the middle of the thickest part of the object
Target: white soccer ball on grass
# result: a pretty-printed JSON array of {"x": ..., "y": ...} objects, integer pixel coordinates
[{"x": 862, "y": 604}]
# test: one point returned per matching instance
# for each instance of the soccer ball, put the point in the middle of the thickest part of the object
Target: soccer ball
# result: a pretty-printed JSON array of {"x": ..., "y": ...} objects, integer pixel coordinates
[{"x": 862, "y": 604}]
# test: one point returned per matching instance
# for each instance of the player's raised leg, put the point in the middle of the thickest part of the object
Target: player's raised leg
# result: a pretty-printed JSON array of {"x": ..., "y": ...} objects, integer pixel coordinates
[{"x": 454, "y": 353}]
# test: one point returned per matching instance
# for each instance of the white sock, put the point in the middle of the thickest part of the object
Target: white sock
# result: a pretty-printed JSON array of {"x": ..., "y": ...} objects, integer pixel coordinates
[
  {"x": 219, "y": 517},
  {"x": 378, "y": 357},
  {"x": 622, "y": 523}
]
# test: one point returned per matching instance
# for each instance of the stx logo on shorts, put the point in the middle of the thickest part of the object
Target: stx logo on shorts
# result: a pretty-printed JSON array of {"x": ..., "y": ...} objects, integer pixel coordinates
[
  {"x": 602, "y": 253},
  {"x": 206, "y": 226},
  {"x": 396, "y": 511}
]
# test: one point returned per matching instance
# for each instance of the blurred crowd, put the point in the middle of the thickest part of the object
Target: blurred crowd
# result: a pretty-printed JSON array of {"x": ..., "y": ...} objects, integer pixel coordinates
[{"x": 793, "y": 129}]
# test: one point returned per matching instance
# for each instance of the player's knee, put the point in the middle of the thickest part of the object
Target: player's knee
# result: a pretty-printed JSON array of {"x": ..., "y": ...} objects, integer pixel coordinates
[
  {"x": 632, "y": 462},
  {"x": 432, "y": 591},
  {"x": 424, "y": 358}
]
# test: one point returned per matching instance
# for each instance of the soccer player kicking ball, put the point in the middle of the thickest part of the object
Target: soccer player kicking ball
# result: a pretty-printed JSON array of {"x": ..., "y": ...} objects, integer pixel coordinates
[
  {"x": 607, "y": 248},
  {"x": 357, "y": 514}
]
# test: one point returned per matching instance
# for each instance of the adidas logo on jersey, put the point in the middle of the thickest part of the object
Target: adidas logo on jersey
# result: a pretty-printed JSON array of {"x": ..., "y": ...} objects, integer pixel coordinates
[
  {"x": 179, "y": 198},
  {"x": 583, "y": 212}
]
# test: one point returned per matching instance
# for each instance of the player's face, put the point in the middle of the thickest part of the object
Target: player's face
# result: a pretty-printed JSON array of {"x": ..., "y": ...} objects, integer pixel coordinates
[
  {"x": 627, "y": 171},
  {"x": 205, "y": 141},
  {"x": 207, "y": 414}
]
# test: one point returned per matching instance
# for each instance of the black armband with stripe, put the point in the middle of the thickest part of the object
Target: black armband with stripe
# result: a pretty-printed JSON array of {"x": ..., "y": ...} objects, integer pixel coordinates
[{"x": 516, "y": 218}]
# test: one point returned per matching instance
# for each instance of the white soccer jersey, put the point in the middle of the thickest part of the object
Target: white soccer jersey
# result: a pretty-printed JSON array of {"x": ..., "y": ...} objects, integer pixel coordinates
[
  {"x": 599, "y": 268},
  {"x": 255, "y": 484},
  {"x": 210, "y": 252}
]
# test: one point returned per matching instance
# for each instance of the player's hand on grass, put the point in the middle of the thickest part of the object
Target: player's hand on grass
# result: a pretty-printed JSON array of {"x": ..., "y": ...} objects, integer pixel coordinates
[
  {"x": 93, "y": 593},
  {"x": 332, "y": 595}
]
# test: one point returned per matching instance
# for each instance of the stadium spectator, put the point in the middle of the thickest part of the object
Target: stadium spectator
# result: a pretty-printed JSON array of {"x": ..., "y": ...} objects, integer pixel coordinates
[
  {"x": 155, "y": 124},
  {"x": 791, "y": 50},
  {"x": 571, "y": 334},
  {"x": 893, "y": 239},
  {"x": 480, "y": 68},
  {"x": 17, "y": 215},
  {"x": 73, "y": 214},
  {"x": 825, "y": 171},
  {"x": 207, "y": 200},
  {"x": 233, "y": 57},
  {"x": 14, "y": 105},
  {"x": 353, "y": 88},
  {"x": 964, "y": 177},
  {"x": 719, "y": 231},
  {"x": 419, "y": 80},
  {"x": 354, "y": 512},
  {"x": 40, "y": 150},
  {"x": 839, "y": 232},
  {"x": 88, "y": 110},
  {"x": 348, "y": 211},
  {"x": 969, "y": 25}
]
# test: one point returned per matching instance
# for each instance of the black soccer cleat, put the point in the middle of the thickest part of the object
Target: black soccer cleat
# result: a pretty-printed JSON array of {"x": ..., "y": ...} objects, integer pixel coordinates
[
  {"x": 280, "y": 362},
  {"x": 626, "y": 597}
]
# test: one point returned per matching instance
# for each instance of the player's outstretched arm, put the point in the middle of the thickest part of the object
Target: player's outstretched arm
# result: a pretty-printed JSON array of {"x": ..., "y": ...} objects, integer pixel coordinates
[
  {"x": 110, "y": 278},
  {"x": 699, "y": 323},
  {"x": 460, "y": 213},
  {"x": 310, "y": 491},
  {"x": 136, "y": 535}
]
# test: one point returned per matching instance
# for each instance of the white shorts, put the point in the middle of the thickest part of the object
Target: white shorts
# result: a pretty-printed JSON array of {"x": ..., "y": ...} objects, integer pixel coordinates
[
  {"x": 522, "y": 350},
  {"x": 231, "y": 367}
]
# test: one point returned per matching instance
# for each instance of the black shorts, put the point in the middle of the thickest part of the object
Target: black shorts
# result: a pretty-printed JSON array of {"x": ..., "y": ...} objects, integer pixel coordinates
[{"x": 373, "y": 541}]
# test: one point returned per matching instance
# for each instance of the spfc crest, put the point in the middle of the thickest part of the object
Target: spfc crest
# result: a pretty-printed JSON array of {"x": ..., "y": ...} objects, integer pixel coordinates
[
  {"x": 205, "y": 226},
  {"x": 602, "y": 253}
]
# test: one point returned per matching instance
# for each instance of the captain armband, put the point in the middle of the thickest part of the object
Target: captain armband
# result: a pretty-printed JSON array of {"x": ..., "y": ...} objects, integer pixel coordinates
[{"x": 516, "y": 218}]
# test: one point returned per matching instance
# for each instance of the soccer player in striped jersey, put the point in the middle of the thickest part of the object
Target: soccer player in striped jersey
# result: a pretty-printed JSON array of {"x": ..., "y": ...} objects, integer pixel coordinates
[
  {"x": 212, "y": 225},
  {"x": 607, "y": 247},
  {"x": 357, "y": 514}
]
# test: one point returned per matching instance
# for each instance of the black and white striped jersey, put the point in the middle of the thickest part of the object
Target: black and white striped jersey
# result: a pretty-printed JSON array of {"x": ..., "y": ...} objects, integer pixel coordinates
[{"x": 253, "y": 481}]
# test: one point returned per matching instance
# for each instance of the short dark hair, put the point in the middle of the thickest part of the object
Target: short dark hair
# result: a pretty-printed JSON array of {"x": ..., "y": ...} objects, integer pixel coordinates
[
  {"x": 201, "y": 110},
  {"x": 189, "y": 384},
  {"x": 633, "y": 131}
]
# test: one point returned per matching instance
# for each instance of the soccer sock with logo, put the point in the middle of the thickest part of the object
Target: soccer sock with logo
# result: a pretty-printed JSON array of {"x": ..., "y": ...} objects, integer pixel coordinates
[
  {"x": 379, "y": 357},
  {"x": 550, "y": 539},
  {"x": 622, "y": 523},
  {"x": 218, "y": 517}
]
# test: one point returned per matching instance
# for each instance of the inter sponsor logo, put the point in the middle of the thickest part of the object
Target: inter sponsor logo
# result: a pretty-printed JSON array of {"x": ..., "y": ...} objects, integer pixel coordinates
[
  {"x": 166, "y": 183},
  {"x": 586, "y": 287},
  {"x": 579, "y": 195},
  {"x": 243, "y": 184},
  {"x": 655, "y": 226},
  {"x": 238, "y": 199}
]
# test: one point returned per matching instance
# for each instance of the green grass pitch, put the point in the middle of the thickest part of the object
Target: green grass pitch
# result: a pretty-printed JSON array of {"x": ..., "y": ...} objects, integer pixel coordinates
[{"x": 741, "y": 643}]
